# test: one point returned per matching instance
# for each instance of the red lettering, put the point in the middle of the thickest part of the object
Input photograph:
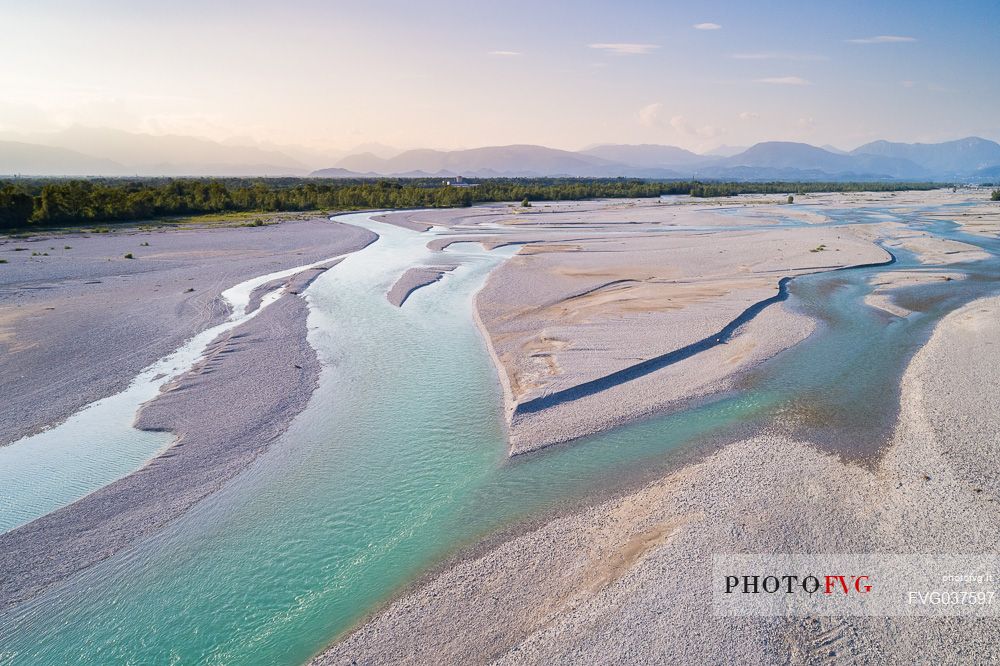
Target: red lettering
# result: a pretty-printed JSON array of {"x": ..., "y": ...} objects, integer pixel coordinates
[{"x": 831, "y": 584}]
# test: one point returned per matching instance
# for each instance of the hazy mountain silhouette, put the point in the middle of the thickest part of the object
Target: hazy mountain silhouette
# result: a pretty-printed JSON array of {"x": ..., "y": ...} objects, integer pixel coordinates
[{"x": 81, "y": 151}]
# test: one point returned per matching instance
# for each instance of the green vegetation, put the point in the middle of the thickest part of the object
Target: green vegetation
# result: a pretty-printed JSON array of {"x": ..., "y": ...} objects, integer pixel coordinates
[
  {"x": 818, "y": 248},
  {"x": 61, "y": 202},
  {"x": 525, "y": 203},
  {"x": 3, "y": 261},
  {"x": 16, "y": 207},
  {"x": 791, "y": 199},
  {"x": 128, "y": 255},
  {"x": 995, "y": 196},
  {"x": 781, "y": 187}
]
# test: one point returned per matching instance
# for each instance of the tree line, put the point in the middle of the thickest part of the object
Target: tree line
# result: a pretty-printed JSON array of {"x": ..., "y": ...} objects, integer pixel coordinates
[{"x": 44, "y": 202}]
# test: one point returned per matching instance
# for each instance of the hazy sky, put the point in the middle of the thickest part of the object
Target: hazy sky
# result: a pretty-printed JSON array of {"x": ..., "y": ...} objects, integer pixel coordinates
[{"x": 466, "y": 73}]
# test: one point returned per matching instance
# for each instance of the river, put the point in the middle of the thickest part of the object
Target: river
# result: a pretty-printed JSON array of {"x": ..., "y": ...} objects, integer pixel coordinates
[{"x": 399, "y": 461}]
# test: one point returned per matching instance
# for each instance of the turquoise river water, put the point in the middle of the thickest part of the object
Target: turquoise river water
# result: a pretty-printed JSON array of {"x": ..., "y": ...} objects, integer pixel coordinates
[{"x": 399, "y": 461}]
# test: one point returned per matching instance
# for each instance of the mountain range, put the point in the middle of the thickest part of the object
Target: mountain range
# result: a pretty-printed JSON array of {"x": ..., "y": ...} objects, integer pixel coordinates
[
  {"x": 83, "y": 151},
  {"x": 966, "y": 159}
]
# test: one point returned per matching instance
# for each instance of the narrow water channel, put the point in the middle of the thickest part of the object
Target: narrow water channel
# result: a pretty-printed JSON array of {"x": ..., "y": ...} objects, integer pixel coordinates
[{"x": 400, "y": 459}]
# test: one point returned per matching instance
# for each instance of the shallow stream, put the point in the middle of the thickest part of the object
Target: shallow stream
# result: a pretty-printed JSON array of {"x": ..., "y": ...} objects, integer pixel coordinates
[{"x": 399, "y": 461}]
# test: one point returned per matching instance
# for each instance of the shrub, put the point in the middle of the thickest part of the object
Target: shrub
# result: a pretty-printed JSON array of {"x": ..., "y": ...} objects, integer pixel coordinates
[{"x": 128, "y": 255}]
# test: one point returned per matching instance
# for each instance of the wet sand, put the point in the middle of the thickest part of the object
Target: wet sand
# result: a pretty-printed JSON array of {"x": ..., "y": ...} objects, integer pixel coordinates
[
  {"x": 293, "y": 284},
  {"x": 887, "y": 286}
]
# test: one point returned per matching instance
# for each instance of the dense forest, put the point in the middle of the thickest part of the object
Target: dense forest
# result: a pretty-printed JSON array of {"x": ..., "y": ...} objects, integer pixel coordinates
[{"x": 51, "y": 202}]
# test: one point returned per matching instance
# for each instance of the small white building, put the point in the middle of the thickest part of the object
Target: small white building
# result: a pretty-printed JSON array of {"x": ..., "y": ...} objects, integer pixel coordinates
[{"x": 459, "y": 182}]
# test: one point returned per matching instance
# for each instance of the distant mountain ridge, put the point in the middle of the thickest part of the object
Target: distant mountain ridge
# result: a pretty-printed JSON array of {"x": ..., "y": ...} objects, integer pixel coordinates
[
  {"x": 82, "y": 151},
  {"x": 514, "y": 160},
  {"x": 802, "y": 156},
  {"x": 967, "y": 158},
  {"x": 96, "y": 151},
  {"x": 175, "y": 153},
  {"x": 30, "y": 159},
  {"x": 950, "y": 157},
  {"x": 647, "y": 155}
]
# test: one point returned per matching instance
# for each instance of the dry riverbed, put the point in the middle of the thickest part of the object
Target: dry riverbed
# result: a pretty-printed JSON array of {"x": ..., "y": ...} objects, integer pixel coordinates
[
  {"x": 105, "y": 317},
  {"x": 598, "y": 291}
]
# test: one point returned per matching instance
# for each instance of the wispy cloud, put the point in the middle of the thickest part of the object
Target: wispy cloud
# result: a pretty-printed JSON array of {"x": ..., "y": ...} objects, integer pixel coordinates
[
  {"x": 882, "y": 39},
  {"x": 784, "y": 81},
  {"x": 626, "y": 48},
  {"x": 798, "y": 57},
  {"x": 749, "y": 115},
  {"x": 505, "y": 54},
  {"x": 918, "y": 85},
  {"x": 654, "y": 115},
  {"x": 681, "y": 124},
  {"x": 651, "y": 114},
  {"x": 707, "y": 26}
]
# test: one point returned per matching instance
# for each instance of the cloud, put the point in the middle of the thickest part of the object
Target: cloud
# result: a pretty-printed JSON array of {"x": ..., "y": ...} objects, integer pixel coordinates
[
  {"x": 784, "y": 81},
  {"x": 681, "y": 124},
  {"x": 650, "y": 114},
  {"x": 626, "y": 48},
  {"x": 653, "y": 115},
  {"x": 798, "y": 57},
  {"x": 505, "y": 53},
  {"x": 707, "y": 26},
  {"x": 749, "y": 115},
  {"x": 807, "y": 123},
  {"x": 883, "y": 39}
]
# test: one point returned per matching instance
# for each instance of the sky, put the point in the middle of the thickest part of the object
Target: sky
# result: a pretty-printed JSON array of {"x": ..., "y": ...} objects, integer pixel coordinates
[{"x": 448, "y": 75}]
